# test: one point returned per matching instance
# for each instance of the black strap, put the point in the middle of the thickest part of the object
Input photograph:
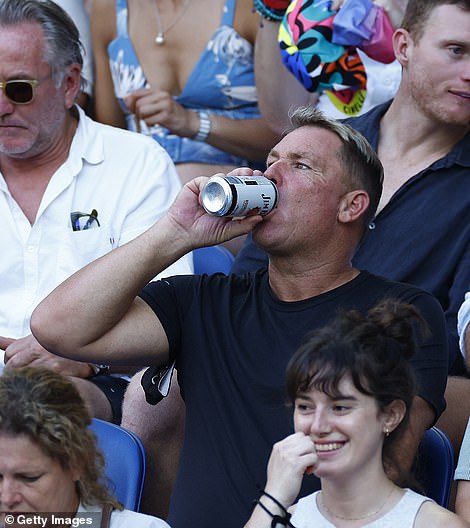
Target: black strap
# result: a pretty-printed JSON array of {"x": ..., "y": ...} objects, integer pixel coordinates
[
  {"x": 281, "y": 506},
  {"x": 156, "y": 382},
  {"x": 276, "y": 519}
]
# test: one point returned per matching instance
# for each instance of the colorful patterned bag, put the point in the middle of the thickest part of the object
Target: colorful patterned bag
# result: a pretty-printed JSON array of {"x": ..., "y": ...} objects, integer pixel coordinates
[{"x": 310, "y": 51}]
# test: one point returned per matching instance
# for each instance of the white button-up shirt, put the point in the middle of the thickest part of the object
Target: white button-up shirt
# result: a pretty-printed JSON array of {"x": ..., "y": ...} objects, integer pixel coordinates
[{"x": 127, "y": 178}]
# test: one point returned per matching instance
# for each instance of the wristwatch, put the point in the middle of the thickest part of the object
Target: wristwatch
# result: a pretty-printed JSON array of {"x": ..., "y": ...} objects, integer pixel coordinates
[
  {"x": 205, "y": 126},
  {"x": 98, "y": 370}
]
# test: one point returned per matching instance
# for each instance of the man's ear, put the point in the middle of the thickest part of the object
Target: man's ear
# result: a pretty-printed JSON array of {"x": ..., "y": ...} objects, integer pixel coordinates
[
  {"x": 353, "y": 205},
  {"x": 71, "y": 84},
  {"x": 402, "y": 43}
]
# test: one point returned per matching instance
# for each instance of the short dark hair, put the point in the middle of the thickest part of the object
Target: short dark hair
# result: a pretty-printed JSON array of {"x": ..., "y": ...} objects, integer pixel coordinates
[
  {"x": 61, "y": 35},
  {"x": 372, "y": 349},
  {"x": 362, "y": 167},
  {"x": 417, "y": 13}
]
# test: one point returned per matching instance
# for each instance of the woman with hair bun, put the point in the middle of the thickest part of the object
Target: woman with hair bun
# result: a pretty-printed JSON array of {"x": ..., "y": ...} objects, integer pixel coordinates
[{"x": 351, "y": 387}]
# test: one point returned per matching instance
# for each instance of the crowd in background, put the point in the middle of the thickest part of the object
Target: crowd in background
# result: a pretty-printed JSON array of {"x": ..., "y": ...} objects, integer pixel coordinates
[{"x": 112, "y": 119}]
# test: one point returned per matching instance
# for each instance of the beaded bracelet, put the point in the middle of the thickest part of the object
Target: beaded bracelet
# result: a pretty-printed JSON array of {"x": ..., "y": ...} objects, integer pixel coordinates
[{"x": 268, "y": 12}]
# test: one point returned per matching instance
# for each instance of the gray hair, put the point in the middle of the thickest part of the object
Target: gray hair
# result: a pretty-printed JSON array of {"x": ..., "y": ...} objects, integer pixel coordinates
[
  {"x": 362, "y": 167},
  {"x": 62, "y": 45}
]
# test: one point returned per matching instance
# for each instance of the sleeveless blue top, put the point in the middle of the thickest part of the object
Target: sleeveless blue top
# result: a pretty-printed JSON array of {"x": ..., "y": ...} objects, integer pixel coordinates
[{"x": 222, "y": 82}]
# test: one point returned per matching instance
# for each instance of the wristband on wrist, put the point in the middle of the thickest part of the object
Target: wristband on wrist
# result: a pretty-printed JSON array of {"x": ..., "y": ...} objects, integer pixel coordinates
[
  {"x": 205, "y": 126},
  {"x": 271, "y": 10},
  {"x": 277, "y": 520},
  {"x": 98, "y": 370},
  {"x": 278, "y": 4}
]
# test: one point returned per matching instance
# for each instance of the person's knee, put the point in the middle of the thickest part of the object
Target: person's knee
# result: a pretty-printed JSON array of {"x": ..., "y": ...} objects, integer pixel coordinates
[
  {"x": 97, "y": 403},
  {"x": 166, "y": 419}
]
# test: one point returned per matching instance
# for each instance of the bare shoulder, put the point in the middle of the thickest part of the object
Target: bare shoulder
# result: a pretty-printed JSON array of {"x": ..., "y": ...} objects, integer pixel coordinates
[
  {"x": 246, "y": 20},
  {"x": 103, "y": 17},
  {"x": 101, "y": 7},
  {"x": 431, "y": 514}
]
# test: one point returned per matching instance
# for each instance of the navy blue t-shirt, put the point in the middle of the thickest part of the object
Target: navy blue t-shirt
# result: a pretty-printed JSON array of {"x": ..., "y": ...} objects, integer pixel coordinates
[
  {"x": 422, "y": 236},
  {"x": 232, "y": 339}
]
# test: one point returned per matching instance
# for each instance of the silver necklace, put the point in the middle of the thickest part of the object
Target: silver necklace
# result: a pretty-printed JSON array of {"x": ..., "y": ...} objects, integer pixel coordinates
[
  {"x": 372, "y": 514},
  {"x": 160, "y": 38}
]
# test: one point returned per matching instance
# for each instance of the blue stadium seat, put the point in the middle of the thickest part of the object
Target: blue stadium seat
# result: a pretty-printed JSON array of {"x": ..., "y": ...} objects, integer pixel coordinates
[
  {"x": 212, "y": 259},
  {"x": 125, "y": 461},
  {"x": 435, "y": 466}
]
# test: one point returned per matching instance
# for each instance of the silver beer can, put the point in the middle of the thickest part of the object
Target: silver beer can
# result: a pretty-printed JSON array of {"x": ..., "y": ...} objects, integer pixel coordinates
[{"x": 237, "y": 195}]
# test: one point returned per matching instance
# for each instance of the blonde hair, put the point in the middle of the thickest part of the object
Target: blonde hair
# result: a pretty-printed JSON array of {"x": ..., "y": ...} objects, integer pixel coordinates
[
  {"x": 47, "y": 408},
  {"x": 361, "y": 165}
]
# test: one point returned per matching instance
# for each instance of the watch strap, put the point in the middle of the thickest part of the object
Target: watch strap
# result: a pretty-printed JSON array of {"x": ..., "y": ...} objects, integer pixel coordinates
[{"x": 205, "y": 126}]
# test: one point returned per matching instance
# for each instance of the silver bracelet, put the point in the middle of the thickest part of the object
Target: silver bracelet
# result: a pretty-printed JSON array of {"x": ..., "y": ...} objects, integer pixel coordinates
[
  {"x": 205, "y": 126},
  {"x": 98, "y": 370}
]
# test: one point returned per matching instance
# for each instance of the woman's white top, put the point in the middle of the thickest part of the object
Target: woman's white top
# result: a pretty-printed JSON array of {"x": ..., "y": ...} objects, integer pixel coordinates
[
  {"x": 120, "y": 519},
  {"x": 402, "y": 515}
]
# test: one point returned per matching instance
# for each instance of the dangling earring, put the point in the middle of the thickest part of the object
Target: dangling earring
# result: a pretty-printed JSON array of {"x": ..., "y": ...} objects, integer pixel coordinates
[{"x": 387, "y": 432}]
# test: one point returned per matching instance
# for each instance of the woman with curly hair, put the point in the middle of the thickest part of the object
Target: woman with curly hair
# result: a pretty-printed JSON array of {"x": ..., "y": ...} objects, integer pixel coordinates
[{"x": 49, "y": 461}]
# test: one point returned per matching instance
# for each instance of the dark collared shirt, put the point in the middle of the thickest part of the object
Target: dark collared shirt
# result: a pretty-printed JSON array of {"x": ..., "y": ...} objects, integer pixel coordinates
[{"x": 422, "y": 235}]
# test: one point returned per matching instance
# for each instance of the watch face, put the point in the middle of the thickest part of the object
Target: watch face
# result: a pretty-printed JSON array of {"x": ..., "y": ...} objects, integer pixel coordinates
[{"x": 99, "y": 369}]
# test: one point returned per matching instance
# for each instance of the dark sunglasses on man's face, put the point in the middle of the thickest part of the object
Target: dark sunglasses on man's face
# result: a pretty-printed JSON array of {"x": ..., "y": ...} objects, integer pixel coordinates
[{"x": 20, "y": 91}]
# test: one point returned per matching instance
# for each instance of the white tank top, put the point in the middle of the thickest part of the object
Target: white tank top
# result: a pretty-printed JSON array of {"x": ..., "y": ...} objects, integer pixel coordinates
[{"x": 402, "y": 515}]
